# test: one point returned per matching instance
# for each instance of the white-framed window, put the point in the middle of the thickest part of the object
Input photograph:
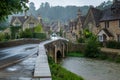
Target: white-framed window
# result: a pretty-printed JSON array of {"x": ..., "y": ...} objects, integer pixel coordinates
[{"x": 100, "y": 38}]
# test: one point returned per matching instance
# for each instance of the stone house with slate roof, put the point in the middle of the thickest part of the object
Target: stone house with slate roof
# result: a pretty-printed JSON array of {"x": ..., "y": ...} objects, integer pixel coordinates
[
  {"x": 25, "y": 21},
  {"x": 75, "y": 27},
  {"x": 105, "y": 24},
  {"x": 92, "y": 20}
]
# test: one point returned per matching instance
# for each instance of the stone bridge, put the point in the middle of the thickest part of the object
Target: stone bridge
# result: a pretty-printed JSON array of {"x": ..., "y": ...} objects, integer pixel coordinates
[
  {"x": 57, "y": 49},
  {"x": 54, "y": 48}
]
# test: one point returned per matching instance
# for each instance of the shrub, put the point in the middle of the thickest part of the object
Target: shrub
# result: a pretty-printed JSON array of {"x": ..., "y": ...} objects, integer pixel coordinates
[
  {"x": 38, "y": 28},
  {"x": 81, "y": 40},
  {"x": 14, "y": 31},
  {"x": 40, "y": 35},
  {"x": 113, "y": 44},
  {"x": 2, "y": 36},
  {"x": 92, "y": 48},
  {"x": 26, "y": 34}
]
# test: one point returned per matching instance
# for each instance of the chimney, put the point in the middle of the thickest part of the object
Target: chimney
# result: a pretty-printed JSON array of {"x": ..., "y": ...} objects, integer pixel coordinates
[{"x": 39, "y": 19}]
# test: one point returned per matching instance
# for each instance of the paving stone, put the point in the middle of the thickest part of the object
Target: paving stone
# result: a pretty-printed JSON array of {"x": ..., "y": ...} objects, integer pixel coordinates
[{"x": 45, "y": 79}]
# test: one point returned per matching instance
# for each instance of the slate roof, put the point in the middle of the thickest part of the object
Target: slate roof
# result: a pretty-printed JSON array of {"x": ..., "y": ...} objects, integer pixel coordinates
[
  {"x": 75, "y": 21},
  {"x": 21, "y": 18},
  {"x": 97, "y": 14},
  {"x": 108, "y": 15},
  {"x": 82, "y": 19}
]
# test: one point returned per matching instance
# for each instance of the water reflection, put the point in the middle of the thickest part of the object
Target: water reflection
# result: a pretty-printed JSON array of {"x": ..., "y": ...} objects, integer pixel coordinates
[
  {"x": 91, "y": 69},
  {"x": 13, "y": 68}
]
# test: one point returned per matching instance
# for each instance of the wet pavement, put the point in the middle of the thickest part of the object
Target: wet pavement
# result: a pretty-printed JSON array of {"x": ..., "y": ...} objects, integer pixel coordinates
[
  {"x": 20, "y": 71},
  {"x": 24, "y": 56},
  {"x": 15, "y": 54}
]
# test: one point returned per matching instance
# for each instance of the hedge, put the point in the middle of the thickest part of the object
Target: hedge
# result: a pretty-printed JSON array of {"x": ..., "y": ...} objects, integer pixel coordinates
[{"x": 113, "y": 44}]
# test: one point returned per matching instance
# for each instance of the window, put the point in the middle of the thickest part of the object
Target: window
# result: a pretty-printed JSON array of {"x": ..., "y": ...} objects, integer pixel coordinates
[
  {"x": 107, "y": 24},
  {"x": 31, "y": 25},
  {"x": 100, "y": 38},
  {"x": 118, "y": 38},
  {"x": 17, "y": 24}
]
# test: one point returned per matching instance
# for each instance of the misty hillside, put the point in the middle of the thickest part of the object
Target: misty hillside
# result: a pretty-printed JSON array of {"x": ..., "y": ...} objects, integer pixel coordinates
[
  {"x": 60, "y": 13},
  {"x": 63, "y": 14}
]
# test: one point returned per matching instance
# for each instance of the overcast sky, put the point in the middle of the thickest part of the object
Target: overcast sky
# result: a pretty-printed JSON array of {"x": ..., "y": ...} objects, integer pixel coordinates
[{"x": 67, "y": 2}]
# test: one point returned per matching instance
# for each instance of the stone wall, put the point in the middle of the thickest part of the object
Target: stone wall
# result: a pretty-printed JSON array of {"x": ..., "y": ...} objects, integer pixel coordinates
[
  {"x": 72, "y": 47},
  {"x": 113, "y": 28},
  {"x": 19, "y": 42}
]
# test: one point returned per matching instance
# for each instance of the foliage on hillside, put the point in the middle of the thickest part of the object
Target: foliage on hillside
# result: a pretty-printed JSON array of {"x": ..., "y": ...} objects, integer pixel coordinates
[{"x": 104, "y": 5}]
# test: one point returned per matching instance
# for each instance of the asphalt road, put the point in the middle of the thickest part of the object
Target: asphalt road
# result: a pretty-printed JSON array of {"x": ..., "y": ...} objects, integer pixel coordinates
[{"x": 13, "y": 55}]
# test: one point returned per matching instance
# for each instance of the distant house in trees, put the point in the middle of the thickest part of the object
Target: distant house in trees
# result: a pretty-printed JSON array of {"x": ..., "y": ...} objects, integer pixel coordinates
[
  {"x": 25, "y": 21},
  {"x": 105, "y": 24},
  {"x": 75, "y": 27}
]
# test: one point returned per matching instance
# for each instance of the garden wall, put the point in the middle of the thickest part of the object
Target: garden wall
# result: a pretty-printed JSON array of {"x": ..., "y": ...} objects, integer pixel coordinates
[
  {"x": 72, "y": 47},
  {"x": 19, "y": 42}
]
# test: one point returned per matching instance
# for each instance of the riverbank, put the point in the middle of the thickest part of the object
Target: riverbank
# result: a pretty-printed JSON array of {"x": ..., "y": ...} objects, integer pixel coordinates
[
  {"x": 101, "y": 56},
  {"x": 60, "y": 73},
  {"x": 92, "y": 69}
]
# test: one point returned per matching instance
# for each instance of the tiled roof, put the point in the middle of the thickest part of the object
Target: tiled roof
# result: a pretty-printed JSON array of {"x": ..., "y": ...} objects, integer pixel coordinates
[{"x": 108, "y": 15}]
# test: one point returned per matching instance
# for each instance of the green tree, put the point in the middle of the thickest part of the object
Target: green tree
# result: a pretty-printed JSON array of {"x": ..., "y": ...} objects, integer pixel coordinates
[
  {"x": 38, "y": 29},
  {"x": 92, "y": 48},
  {"x": 87, "y": 34},
  {"x": 14, "y": 31},
  {"x": 8, "y": 7}
]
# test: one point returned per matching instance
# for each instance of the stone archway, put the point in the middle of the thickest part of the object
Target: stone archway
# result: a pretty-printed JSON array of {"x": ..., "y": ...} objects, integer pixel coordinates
[{"x": 59, "y": 54}]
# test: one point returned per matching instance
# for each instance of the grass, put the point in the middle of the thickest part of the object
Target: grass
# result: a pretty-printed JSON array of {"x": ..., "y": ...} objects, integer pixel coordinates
[
  {"x": 75, "y": 54},
  {"x": 60, "y": 73},
  {"x": 101, "y": 56}
]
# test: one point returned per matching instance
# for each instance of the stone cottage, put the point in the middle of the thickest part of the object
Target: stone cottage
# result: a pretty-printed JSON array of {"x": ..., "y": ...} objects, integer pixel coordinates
[
  {"x": 25, "y": 21},
  {"x": 75, "y": 27},
  {"x": 104, "y": 23}
]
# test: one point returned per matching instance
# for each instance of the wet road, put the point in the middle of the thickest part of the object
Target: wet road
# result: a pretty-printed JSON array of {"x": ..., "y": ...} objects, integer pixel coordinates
[
  {"x": 91, "y": 69},
  {"x": 15, "y": 54}
]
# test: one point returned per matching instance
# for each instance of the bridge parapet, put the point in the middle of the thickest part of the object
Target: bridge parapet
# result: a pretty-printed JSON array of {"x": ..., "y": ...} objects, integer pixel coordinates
[{"x": 53, "y": 48}]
